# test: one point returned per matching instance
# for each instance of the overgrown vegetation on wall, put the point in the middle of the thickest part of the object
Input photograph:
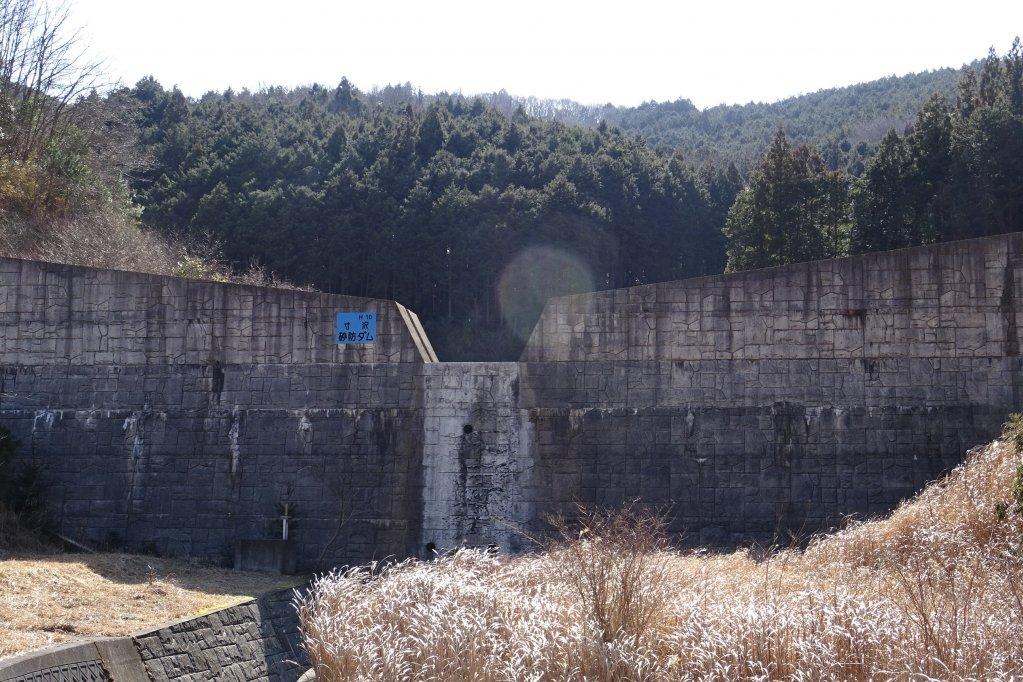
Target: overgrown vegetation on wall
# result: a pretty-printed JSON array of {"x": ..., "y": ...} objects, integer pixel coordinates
[
  {"x": 935, "y": 591},
  {"x": 23, "y": 517},
  {"x": 65, "y": 152}
]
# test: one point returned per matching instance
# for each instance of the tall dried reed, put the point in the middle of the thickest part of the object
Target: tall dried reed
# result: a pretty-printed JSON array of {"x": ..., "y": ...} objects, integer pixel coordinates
[{"x": 934, "y": 591}]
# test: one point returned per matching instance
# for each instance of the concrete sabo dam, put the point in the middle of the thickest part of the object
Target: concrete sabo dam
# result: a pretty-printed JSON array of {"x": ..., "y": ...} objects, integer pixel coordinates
[{"x": 177, "y": 416}]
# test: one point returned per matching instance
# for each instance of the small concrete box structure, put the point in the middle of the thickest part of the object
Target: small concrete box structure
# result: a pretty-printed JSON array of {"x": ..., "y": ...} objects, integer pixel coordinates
[{"x": 267, "y": 556}]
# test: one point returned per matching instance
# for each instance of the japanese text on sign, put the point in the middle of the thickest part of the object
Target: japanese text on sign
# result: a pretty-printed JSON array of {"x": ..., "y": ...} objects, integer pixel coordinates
[{"x": 355, "y": 328}]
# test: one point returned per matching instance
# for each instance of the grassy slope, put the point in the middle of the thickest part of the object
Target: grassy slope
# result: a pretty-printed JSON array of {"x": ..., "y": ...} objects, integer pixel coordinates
[
  {"x": 933, "y": 591},
  {"x": 47, "y": 599}
]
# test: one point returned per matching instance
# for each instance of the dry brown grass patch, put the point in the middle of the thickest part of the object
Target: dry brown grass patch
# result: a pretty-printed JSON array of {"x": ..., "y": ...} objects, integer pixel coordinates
[
  {"x": 49, "y": 599},
  {"x": 934, "y": 591},
  {"x": 102, "y": 240}
]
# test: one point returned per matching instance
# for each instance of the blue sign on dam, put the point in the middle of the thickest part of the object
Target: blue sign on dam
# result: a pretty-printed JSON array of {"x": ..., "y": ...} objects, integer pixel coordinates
[{"x": 355, "y": 328}]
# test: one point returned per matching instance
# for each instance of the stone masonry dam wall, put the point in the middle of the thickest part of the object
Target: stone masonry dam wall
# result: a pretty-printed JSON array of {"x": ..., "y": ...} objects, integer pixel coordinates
[
  {"x": 778, "y": 400},
  {"x": 174, "y": 416}
]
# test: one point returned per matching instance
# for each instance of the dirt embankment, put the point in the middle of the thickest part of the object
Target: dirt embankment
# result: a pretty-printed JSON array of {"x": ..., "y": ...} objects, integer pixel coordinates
[{"x": 47, "y": 599}]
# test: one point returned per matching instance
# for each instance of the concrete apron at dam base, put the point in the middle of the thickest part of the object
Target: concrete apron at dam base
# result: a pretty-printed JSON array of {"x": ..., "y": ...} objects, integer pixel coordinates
[{"x": 178, "y": 417}]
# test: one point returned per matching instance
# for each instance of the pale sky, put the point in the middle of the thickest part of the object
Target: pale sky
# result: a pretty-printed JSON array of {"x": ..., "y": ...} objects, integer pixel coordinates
[{"x": 710, "y": 51}]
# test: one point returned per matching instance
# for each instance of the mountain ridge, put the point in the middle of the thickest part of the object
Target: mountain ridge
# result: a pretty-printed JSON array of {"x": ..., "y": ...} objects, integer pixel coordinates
[{"x": 858, "y": 113}]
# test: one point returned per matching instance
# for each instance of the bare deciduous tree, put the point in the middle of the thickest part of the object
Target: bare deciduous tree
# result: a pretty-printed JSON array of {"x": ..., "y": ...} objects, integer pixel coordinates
[{"x": 44, "y": 70}]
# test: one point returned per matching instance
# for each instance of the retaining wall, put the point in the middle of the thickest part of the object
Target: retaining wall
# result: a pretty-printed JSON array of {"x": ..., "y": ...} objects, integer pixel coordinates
[
  {"x": 255, "y": 640},
  {"x": 777, "y": 402},
  {"x": 958, "y": 299},
  {"x": 54, "y": 314},
  {"x": 188, "y": 459}
]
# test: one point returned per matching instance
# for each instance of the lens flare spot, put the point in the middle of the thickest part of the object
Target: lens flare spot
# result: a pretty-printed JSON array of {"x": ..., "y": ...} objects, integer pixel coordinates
[{"x": 536, "y": 274}]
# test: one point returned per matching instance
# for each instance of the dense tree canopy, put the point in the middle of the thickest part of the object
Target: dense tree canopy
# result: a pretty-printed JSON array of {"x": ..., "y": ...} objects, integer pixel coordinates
[
  {"x": 793, "y": 209},
  {"x": 957, "y": 172},
  {"x": 429, "y": 203}
]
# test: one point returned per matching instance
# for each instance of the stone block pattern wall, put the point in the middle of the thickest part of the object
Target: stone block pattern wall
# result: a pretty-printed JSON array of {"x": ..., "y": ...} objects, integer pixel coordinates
[
  {"x": 188, "y": 459},
  {"x": 175, "y": 416},
  {"x": 753, "y": 406},
  {"x": 778, "y": 401},
  {"x": 63, "y": 314},
  {"x": 732, "y": 464},
  {"x": 81, "y": 671},
  {"x": 257, "y": 640},
  {"x": 947, "y": 300}
]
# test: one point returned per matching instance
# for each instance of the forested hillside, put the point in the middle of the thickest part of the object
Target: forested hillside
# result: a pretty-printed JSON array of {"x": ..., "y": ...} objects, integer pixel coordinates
[
  {"x": 432, "y": 205},
  {"x": 957, "y": 172},
  {"x": 846, "y": 123},
  {"x": 474, "y": 216},
  {"x": 854, "y": 117}
]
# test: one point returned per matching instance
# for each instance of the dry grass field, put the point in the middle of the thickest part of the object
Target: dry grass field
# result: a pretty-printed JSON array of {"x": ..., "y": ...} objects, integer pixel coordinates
[
  {"x": 933, "y": 592},
  {"x": 52, "y": 598}
]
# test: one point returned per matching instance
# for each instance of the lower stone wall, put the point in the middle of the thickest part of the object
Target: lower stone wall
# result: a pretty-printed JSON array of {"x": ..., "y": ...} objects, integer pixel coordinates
[
  {"x": 732, "y": 476},
  {"x": 758, "y": 450},
  {"x": 188, "y": 460},
  {"x": 256, "y": 640},
  {"x": 389, "y": 461}
]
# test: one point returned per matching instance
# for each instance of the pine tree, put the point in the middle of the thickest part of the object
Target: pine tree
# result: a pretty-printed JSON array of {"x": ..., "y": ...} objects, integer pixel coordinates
[
  {"x": 966, "y": 99},
  {"x": 991, "y": 76},
  {"x": 1014, "y": 75},
  {"x": 931, "y": 168},
  {"x": 792, "y": 210},
  {"x": 345, "y": 99},
  {"x": 883, "y": 218},
  {"x": 431, "y": 133}
]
